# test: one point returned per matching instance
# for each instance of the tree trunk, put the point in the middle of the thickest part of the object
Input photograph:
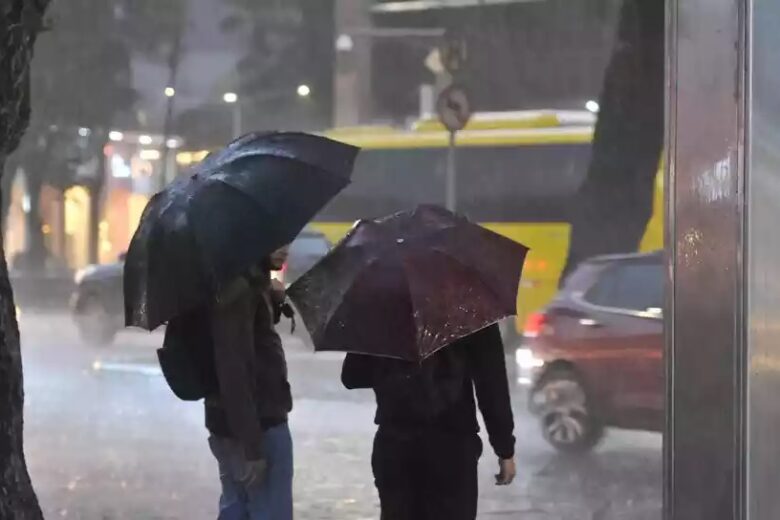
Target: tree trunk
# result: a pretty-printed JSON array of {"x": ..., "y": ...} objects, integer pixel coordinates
[
  {"x": 35, "y": 252},
  {"x": 8, "y": 173},
  {"x": 20, "y": 21},
  {"x": 615, "y": 202},
  {"x": 95, "y": 205},
  {"x": 173, "y": 72}
]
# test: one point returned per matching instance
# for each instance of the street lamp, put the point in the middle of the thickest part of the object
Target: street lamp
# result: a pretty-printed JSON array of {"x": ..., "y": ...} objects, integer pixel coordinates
[
  {"x": 592, "y": 106},
  {"x": 231, "y": 98},
  {"x": 170, "y": 92},
  {"x": 304, "y": 90}
]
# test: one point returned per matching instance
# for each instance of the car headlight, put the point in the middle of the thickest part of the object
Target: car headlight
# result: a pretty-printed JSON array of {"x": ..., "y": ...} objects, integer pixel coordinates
[
  {"x": 83, "y": 273},
  {"x": 525, "y": 359}
]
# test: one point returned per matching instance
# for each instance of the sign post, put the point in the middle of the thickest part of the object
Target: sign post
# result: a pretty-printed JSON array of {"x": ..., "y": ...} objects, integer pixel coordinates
[{"x": 454, "y": 110}]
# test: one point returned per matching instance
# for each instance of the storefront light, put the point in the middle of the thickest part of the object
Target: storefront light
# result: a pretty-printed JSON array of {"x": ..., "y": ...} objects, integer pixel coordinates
[
  {"x": 184, "y": 158},
  {"x": 149, "y": 155},
  {"x": 119, "y": 168}
]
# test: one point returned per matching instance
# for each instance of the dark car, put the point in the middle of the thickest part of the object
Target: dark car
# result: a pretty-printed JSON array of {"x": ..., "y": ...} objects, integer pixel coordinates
[
  {"x": 593, "y": 357},
  {"x": 97, "y": 302}
]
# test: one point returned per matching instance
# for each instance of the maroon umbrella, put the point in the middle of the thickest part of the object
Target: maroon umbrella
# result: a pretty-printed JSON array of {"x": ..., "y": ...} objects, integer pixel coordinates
[{"x": 406, "y": 285}]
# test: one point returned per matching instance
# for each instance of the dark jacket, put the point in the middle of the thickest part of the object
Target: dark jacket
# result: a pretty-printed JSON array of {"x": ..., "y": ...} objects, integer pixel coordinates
[
  {"x": 404, "y": 402},
  {"x": 254, "y": 394}
]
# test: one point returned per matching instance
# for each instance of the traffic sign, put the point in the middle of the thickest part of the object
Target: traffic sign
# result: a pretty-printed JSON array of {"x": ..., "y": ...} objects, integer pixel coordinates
[{"x": 453, "y": 108}]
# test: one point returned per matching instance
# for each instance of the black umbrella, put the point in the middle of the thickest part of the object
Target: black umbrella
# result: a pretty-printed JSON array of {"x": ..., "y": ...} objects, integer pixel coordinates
[
  {"x": 234, "y": 208},
  {"x": 406, "y": 285}
]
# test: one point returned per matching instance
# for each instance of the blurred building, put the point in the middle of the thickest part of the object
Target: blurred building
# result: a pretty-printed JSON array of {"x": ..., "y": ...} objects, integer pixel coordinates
[{"x": 132, "y": 171}]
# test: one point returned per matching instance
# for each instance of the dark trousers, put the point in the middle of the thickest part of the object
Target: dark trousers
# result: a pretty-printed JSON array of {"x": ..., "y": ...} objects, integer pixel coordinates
[{"x": 426, "y": 475}]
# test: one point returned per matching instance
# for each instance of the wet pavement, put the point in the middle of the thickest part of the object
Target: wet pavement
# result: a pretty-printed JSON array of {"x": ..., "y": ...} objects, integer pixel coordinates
[{"x": 106, "y": 440}]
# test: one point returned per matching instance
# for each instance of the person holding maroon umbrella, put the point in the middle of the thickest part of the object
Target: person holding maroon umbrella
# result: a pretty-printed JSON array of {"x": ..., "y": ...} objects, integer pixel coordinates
[{"x": 414, "y": 299}]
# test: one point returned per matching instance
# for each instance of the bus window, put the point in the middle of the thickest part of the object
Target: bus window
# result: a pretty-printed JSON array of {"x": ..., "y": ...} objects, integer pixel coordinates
[
  {"x": 520, "y": 183},
  {"x": 389, "y": 180}
]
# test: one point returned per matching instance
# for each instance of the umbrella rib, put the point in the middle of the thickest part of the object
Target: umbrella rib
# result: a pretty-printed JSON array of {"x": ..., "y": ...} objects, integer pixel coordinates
[
  {"x": 481, "y": 282},
  {"x": 344, "y": 291},
  {"x": 264, "y": 150},
  {"x": 417, "y": 323},
  {"x": 235, "y": 189},
  {"x": 349, "y": 350}
]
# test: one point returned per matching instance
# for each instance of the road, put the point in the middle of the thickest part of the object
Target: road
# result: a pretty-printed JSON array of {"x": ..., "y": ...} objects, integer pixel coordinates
[{"x": 106, "y": 440}]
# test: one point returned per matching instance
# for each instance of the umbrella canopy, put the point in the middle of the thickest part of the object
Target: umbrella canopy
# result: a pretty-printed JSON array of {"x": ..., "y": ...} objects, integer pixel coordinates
[
  {"x": 237, "y": 206},
  {"x": 406, "y": 285}
]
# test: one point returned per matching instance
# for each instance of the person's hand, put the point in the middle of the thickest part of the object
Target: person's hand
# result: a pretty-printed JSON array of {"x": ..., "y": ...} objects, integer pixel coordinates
[
  {"x": 277, "y": 291},
  {"x": 506, "y": 472},
  {"x": 253, "y": 473}
]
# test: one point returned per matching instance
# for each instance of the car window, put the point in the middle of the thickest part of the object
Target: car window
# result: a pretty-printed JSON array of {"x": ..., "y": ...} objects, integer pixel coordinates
[
  {"x": 581, "y": 278},
  {"x": 636, "y": 287},
  {"x": 309, "y": 245}
]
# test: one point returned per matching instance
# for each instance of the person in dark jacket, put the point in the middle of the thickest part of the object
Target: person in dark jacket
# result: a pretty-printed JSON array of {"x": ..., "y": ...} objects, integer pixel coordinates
[
  {"x": 247, "y": 420},
  {"x": 427, "y": 445}
]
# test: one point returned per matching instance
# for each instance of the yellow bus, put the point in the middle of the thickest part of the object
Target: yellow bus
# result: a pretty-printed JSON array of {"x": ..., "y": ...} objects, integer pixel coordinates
[{"x": 517, "y": 174}]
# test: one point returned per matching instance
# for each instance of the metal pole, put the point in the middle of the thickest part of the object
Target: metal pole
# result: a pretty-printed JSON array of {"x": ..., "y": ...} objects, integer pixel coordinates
[
  {"x": 451, "y": 185},
  {"x": 711, "y": 359},
  {"x": 173, "y": 72}
]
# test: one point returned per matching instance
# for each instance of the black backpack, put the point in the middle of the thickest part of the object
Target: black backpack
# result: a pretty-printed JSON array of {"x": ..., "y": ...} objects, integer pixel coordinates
[{"x": 187, "y": 356}]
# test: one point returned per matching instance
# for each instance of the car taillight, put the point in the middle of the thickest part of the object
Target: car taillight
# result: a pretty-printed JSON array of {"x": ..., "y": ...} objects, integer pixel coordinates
[{"x": 535, "y": 325}]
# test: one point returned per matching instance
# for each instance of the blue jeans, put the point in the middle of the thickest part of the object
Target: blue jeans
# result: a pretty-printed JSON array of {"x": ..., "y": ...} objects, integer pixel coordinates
[{"x": 271, "y": 499}]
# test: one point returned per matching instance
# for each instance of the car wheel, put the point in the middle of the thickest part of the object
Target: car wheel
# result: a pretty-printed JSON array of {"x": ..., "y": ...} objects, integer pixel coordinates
[
  {"x": 567, "y": 419},
  {"x": 96, "y": 327}
]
